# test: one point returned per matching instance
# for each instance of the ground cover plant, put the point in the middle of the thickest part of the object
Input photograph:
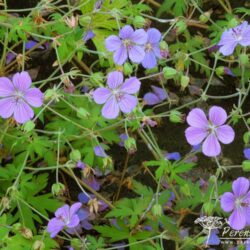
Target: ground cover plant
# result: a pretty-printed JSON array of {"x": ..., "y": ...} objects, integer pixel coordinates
[{"x": 124, "y": 124}]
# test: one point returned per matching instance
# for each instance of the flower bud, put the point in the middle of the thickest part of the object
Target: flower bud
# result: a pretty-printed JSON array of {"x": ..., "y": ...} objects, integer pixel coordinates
[
  {"x": 205, "y": 16},
  {"x": 180, "y": 26},
  {"x": 157, "y": 210},
  {"x": 5, "y": 203},
  {"x": 139, "y": 21},
  {"x": 233, "y": 22},
  {"x": 28, "y": 126},
  {"x": 26, "y": 233},
  {"x": 169, "y": 72},
  {"x": 85, "y": 20},
  {"x": 96, "y": 78},
  {"x": 38, "y": 245},
  {"x": 130, "y": 145},
  {"x": 58, "y": 189},
  {"x": 75, "y": 155},
  {"x": 184, "y": 81},
  {"x": 176, "y": 116},
  {"x": 127, "y": 69}
]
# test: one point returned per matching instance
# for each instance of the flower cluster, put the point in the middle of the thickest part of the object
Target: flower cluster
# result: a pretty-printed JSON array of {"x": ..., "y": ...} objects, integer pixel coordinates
[
  {"x": 17, "y": 96},
  {"x": 137, "y": 45}
]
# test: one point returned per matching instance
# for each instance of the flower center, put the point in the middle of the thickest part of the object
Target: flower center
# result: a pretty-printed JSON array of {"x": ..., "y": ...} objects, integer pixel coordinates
[
  {"x": 237, "y": 34},
  {"x": 18, "y": 95},
  {"x": 148, "y": 47},
  {"x": 211, "y": 128},
  {"x": 118, "y": 95},
  {"x": 127, "y": 43}
]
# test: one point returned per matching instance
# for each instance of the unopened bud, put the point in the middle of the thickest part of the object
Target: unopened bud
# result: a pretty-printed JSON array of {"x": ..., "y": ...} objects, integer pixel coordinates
[
  {"x": 139, "y": 21},
  {"x": 157, "y": 210},
  {"x": 38, "y": 245},
  {"x": 58, "y": 189}
]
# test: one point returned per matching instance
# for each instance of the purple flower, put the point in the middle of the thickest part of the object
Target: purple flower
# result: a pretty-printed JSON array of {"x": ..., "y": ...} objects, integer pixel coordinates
[
  {"x": 118, "y": 95},
  {"x": 213, "y": 238},
  {"x": 123, "y": 138},
  {"x": 17, "y": 96},
  {"x": 157, "y": 96},
  {"x": 10, "y": 57},
  {"x": 173, "y": 156},
  {"x": 247, "y": 153},
  {"x": 238, "y": 202},
  {"x": 80, "y": 165},
  {"x": 127, "y": 45},
  {"x": 99, "y": 151},
  {"x": 66, "y": 217},
  {"x": 152, "y": 49},
  {"x": 234, "y": 36},
  {"x": 210, "y": 131},
  {"x": 91, "y": 181},
  {"x": 88, "y": 35}
]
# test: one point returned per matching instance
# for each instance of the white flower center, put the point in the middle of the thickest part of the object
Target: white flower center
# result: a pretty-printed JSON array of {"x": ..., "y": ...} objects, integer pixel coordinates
[
  {"x": 211, "y": 128},
  {"x": 127, "y": 43},
  {"x": 19, "y": 95},
  {"x": 148, "y": 47}
]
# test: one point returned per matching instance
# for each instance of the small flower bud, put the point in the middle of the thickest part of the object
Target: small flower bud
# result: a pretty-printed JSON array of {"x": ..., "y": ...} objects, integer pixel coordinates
[
  {"x": 5, "y": 203},
  {"x": 139, "y": 21},
  {"x": 96, "y": 78},
  {"x": 38, "y": 245},
  {"x": 130, "y": 145},
  {"x": 184, "y": 81},
  {"x": 157, "y": 210},
  {"x": 85, "y": 20},
  {"x": 75, "y": 155},
  {"x": 26, "y": 233},
  {"x": 169, "y": 72},
  {"x": 58, "y": 189},
  {"x": 127, "y": 69},
  {"x": 205, "y": 16},
  {"x": 176, "y": 116},
  {"x": 180, "y": 26}
]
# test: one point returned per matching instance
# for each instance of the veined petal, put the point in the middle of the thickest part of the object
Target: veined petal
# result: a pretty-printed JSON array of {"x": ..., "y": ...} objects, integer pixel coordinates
[
  {"x": 197, "y": 118},
  {"x": 34, "y": 97},
  {"x": 136, "y": 54},
  {"x": 151, "y": 99},
  {"x": 139, "y": 37},
  {"x": 154, "y": 35},
  {"x": 22, "y": 81},
  {"x": 127, "y": 103},
  {"x": 110, "y": 109},
  {"x": 211, "y": 147},
  {"x": 23, "y": 112},
  {"x": 55, "y": 226},
  {"x": 237, "y": 219},
  {"x": 245, "y": 37},
  {"x": 227, "y": 202},
  {"x": 115, "y": 79},
  {"x": 7, "y": 107},
  {"x": 149, "y": 60},
  {"x": 228, "y": 48},
  {"x": 160, "y": 92},
  {"x": 217, "y": 115},
  {"x": 101, "y": 95},
  {"x": 195, "y": 136},
  {"x": 126, "y": 32},
  {"x": 6, "y": 87},
  {"x": 74, "y": 221},
  {"x": 225, "y": 134},
  {"x": 121, "y": 55},
  {"x": 240, "y": 186},
  {"x": 63, "y": 211},
  {"x": 74, "y": 208},
  {"x": 131, "y": 85},
  {"x": 113, "y": 43}
]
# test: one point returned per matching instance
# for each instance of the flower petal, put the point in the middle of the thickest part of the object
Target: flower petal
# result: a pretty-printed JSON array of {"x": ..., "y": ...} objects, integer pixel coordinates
[
  {"x": 6, "y": 87},
  {"x": 83, "y": 214},
  {"x": 121, "y": 55},
  {"x": 240, "y": 186},
  {"x": 74, "y": 221},
  {"x": 154, "y": 35},
  {"x": 228, "y": 48},
  {"x": 237, "y": 219},
  {"x": 34, "y": 97},
  {"x": 136, "y": 54},
  {"x": 110, "y": 109},
  {"x": 131, "y": 85},
  {"x": 149, "y": 60},
  {"x": 160, "y": 92},
  {"x": 197, "y": 118},
  {"x": 225, "y": 134},
  {"x": 113, "y": 43},
  {"x": 245, "y": 37},
  {"x": 151, "y": 99},
  {"x": 22, "y": 81},
  {"x": 115, "y": 78},
  {"x": 7, "y": 107},
  {"x": 126, "y": 32},
  {"x": 139, "y": 37},
  {"x": 63, "y": 211},
  {"x": 101, "y": 95},
  {"x": 127, "y": 103},
  {"x": 74, "y": 208},
  {"x": 217, "y": 115},
  {"x": 227, "y": 202},
  {"x": 55, "y": 226},
  {"x": 23, "y": 112},
  {"x": 194, "y": 135},
  {"x": 211, "y": 147}
]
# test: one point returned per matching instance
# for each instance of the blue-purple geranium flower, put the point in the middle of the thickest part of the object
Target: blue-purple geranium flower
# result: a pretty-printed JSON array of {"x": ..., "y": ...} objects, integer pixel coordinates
[
  {"x": 209, "y": 131},
  {"x": 237, "y": 202},
  {"x": 246, "y": 152},
  {"x": 17, "y": 97},
  {"x": 152, "y": 49},
  {"x": 65, "y": 217},
  {"x": 118, "y": 96},
  {"x": 157, "y": 96},
  {"x": 129, "y": 44},
  {"x": 234, "y": 36}
]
